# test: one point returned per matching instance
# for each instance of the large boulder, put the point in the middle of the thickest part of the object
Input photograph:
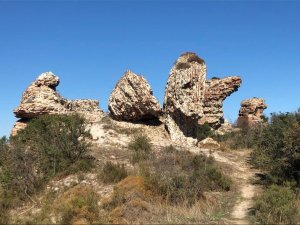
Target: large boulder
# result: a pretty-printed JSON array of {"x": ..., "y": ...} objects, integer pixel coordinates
[
  {"x": 132, "y": 99},
  {"x": 184, "y": 95},
  {"x": 251, "y": 112},
  {"x": 191, "y": 100},
  {"x": 41, "y": 98}
]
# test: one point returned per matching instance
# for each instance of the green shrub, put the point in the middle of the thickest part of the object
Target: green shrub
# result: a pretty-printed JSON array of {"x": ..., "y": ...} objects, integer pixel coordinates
[
  {"x": 48, "y": 145},
  {"x": 140, "y": 147},
  {"x": 112, "y": 173},
  {"x": 181, "y": 177},
  {"x": 276, "y": 205},
  {"x": 203, "y": 131}
]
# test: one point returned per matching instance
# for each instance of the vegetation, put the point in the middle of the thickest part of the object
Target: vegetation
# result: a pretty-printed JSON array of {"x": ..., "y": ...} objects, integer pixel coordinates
[
  {"x": 112, "y": 173},
  {"x": 203, "y": 131},
  {"x": 276, "y": 152},
  {"x": 182, "y": 66},
  {"x": 181, "y": 177},
  {"x": 140, "y": 147},
  {"x": 50, "y": 145},
  {"x": 276, "y": 205}
]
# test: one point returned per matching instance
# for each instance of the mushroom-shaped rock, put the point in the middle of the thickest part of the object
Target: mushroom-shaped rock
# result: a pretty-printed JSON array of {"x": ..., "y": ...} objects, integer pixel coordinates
[
  {"x": 216, "y": 91},
  {"x": 251, "y": 112},
  {"x": 132, "y": 99},
  {"x": 191, "y": 100},
  {"x": 41, "y": 98}
]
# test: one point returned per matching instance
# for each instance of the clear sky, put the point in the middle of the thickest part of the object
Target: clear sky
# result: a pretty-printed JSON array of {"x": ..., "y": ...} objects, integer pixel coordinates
[{"x": 90, "y": 44}]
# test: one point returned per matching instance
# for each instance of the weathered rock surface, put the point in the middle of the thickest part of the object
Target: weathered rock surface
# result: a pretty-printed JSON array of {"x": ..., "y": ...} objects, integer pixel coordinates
[
  {"x": 191, "y": 100},
  {"x": 132, "y": 99},
  {"x": 251, "y": 112},
  {"x": 41, "y": 98},
  {"x": 216, "y": 91}
]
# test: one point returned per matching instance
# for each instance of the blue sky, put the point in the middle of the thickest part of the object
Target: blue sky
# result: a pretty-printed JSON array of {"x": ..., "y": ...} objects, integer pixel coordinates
[{"x": 90, "y": 44}]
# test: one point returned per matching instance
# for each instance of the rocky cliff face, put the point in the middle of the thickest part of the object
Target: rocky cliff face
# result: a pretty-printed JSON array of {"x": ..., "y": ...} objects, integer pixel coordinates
[
  {"x": 251, "y": 112},
  {"x": 41, "y": 98},
  {"x": 132, "y": 99},
  {"x": 190, "y": 100}
]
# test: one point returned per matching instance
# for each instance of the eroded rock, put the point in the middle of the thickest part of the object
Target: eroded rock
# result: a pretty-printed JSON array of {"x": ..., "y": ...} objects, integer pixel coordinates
[
  {"x": 191, "y": 100},
  {"x": 41, "y": 98},
  {"x": 251, "y": 112},
  {"x": 132, "y": 99}
]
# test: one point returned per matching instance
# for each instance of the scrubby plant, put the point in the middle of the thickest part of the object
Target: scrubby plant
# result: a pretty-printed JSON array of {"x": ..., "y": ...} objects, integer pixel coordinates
[
  {"x": 140, "y": 147},
  {"x": 112, "y": 173},
  {"x": 276, "y": 205},
  {"x": 203, "y": 131},
  {"x": 195, "y": 58},
  {"x": 181, "y": 177},
  {"x": 182, "y": 66},
  {"x": 49, "y": 145},
  {"x": 79, "y": 205}
]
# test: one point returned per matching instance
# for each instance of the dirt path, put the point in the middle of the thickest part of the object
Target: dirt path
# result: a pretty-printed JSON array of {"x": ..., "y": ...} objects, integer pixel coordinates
[{"x": 244, "y": 176}]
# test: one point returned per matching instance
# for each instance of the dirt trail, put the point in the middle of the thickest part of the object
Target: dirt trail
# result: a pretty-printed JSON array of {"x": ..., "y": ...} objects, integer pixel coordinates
[{"x": 244, "y": 176}]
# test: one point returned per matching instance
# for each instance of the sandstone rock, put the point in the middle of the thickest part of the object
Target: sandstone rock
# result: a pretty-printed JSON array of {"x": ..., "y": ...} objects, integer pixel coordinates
[
  {"x": 251, "y": 112},
  {"x": 209, "y": 143},
  {"x": 191, "y": 100},
  {"x": 41, "y": 98},
  {"x": 216, "y": 91},
  {"x": 133, "y": 100}
]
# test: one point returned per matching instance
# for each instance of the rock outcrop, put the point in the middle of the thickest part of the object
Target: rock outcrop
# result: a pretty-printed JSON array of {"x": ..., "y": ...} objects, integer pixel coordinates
[
  {"x": 132, "y": 99},
  {"x": 41, "y": 98},
  {"x": 216, "y": 91},
  {"x": 251, "y": 112},
  {"x": 191, "y": 100}
]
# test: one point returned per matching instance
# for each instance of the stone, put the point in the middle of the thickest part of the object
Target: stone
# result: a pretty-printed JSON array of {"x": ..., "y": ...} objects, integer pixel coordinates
[
  {"x": 216, "y": 91},
  {"x": 132, "y": 99},
  {"x": 191, "y": 100},
  {"x": 41, "y": 98},
  {"x": 251, "y": 112},
  {"x": 209, "y": 143}
]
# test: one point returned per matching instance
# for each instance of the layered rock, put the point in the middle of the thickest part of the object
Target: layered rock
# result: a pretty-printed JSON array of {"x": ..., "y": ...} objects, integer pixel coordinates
[
  {"x": 216, "y": 91},
  {"x": 41, "y": 98},
  {"x": 251, "y": 112},
  {"x": 191, "y": 100},
  {"x": 132, "y": 99}
]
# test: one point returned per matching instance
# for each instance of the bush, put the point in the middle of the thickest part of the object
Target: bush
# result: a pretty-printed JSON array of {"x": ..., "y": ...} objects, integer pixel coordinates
[
  {"x": 78, "y": 205},
  {"x": 48, "y": 145},
  {"x": 277, "y": 148},
  {"x": 181, "y": 177},
  {"x": 182, "y": 66},
  {"x": 203, "y": 131},
  {"x": 112, "y": 173},
  {"x": 276, "y": 205},
  {"x": 140, "y": 147}
]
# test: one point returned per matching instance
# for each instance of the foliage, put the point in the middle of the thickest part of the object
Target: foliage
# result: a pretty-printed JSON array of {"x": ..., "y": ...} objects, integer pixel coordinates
[
  {"x": 195, "y": 58},
  {"x": 277, "y": 148},
  {"x": 112, "y": 173},
  {"x": 140, "y": 147},
  {"x": 181, "y": 177},
  {"x": 203, "y": 131},
  {"x": 78, "y": 205},
  {"x": 48, "y": 145},
  {"x": 276, "y": 205},
  {"x": 182, "y": 66}
]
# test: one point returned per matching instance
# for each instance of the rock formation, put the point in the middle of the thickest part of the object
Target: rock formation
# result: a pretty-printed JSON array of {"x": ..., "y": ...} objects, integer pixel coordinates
[
  {"x": 41, "y": 98},
  {"x": 132, "y": 99},
  {"x": 191, "y": 100},
  {"x": 216, "y": 91},
  {"x": 251, "y": 112}
]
